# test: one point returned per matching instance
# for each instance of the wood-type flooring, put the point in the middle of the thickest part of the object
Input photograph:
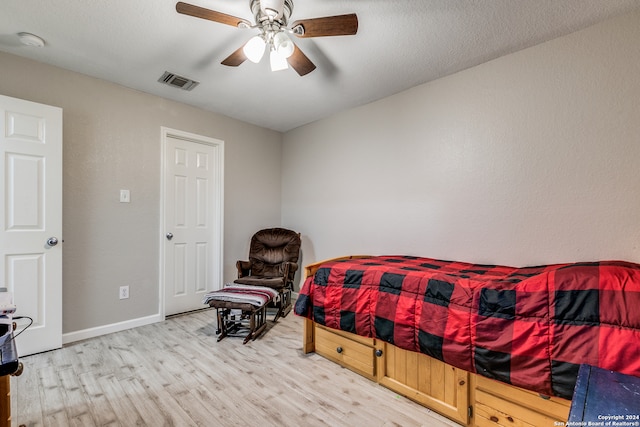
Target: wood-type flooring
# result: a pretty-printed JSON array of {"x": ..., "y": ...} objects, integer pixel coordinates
[{"x": 174, "y": 373}]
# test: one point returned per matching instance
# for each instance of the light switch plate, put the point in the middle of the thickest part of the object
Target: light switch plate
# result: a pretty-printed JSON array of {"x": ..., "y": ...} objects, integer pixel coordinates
[{"x": 125, "y": 196}]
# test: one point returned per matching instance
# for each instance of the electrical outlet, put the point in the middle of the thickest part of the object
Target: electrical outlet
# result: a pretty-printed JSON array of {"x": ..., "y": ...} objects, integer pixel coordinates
[{"x": 124, "y": 292}]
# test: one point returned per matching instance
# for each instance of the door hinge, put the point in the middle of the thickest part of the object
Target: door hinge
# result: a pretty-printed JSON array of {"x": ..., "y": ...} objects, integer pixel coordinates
[{"x": 470, "y": 411}]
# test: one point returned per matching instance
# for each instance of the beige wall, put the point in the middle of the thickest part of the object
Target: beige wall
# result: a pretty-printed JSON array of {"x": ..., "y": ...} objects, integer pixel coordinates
[
  {"x": 531, "y": 158},
  {"x": 112, "y": 142}
]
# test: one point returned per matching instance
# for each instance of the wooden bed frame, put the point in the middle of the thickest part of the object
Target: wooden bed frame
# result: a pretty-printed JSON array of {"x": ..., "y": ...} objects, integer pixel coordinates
[{"x": 468, "y": 399}]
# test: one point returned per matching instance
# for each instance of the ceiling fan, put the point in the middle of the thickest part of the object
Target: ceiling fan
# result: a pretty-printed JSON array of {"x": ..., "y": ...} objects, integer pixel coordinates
[{"x": 272, "y": 19}]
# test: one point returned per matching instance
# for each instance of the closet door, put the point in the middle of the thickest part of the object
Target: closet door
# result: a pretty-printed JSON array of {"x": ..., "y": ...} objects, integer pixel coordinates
[{"x": 192, "y": 229}]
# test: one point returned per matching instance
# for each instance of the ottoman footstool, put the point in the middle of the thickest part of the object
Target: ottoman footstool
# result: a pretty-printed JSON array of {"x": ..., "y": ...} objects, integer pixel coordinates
[{"x": 240, "y": 309}]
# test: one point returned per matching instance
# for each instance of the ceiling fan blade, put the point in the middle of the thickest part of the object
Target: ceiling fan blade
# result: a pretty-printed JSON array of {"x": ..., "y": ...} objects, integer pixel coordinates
[
  {"x": 299, "y": 62},
  {"x": 339, "y": 25},
  {"x": 211, "y": 15},
  {"x": 236, "y": 58}
]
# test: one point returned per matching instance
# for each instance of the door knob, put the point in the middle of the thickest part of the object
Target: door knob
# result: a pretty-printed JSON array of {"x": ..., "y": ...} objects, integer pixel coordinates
[
  {"x": 52, "y": 241},
  {"x": 169, "y": 236}
]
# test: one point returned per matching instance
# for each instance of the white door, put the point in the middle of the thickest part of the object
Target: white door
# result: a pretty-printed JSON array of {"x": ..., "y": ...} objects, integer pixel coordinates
[
  {"x": 31, "y": 218},
  {"x": 192, "y": 232}
]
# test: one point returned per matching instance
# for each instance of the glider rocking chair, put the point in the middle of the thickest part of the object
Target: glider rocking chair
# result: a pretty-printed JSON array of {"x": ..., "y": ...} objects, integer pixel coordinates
[{"x": 273, "y": 262}]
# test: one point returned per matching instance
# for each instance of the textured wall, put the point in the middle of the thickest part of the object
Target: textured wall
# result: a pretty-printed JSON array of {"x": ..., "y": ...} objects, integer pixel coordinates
[
  {"x": 112, "y": 142},
  {"x": 531, "y": 158}
]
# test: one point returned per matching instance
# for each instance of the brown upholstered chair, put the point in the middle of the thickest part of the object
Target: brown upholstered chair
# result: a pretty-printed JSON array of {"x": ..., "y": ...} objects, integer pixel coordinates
[{"x": 273, "y": 262}]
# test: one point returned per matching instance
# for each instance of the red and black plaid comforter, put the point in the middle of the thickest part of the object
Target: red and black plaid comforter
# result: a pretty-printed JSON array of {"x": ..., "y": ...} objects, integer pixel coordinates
[{"x": 531, "y": 327}]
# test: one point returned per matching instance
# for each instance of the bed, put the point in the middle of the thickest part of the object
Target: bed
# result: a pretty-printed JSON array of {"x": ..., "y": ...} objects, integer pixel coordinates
[{"x": 529, "y": 327}]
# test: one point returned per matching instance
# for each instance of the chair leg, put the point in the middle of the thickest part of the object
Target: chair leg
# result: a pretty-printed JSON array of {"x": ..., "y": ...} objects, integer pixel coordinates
[
  {"x": 229, "y": 326},
  {"x": 222, "y": 323},
  {"x": 287, "y": 306},
  {"x": 258, "y": 323},
  {"x": 284, "y": 306},
  {"x": 226, "y": 325},
  {"x": 252, "y": 327}
]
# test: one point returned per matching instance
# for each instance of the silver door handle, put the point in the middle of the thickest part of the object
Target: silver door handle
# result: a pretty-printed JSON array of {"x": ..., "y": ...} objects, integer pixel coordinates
[
  {"x": 52, "y": 241},
  {"x": 169, "y": 236}
]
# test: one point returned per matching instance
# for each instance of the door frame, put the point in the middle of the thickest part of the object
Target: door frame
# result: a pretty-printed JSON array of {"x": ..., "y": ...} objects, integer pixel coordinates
[{"x": 218, "y": 209}]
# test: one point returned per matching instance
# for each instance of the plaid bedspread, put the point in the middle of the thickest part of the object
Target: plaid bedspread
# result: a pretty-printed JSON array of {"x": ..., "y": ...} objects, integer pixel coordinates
[{"x": 531, "y": 327}]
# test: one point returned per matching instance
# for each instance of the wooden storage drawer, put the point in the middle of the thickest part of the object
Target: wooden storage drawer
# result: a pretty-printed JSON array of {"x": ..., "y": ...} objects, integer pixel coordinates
[
  {"x": 498, "y": 404},
  {"x": 426, "y": 380},
  {"x": 349, "y": 350}
]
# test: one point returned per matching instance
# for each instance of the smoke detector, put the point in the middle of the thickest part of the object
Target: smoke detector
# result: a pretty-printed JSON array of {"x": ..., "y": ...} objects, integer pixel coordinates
[{"x": 29, "y": 39}]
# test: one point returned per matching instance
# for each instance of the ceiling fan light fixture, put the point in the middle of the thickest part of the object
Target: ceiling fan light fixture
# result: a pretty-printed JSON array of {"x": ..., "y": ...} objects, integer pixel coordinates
[
  {"x": 278, "y": 61},
  {"x": 271, "y": 18},
  {"x": 254, "y": 49},
  {"x": 283, "y": 44}
]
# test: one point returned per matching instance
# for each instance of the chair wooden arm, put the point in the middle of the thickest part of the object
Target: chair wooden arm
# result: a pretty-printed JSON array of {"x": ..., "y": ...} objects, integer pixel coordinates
[
  {"x": 289, "y": 273},
  {"x": 244, "y": 268}
]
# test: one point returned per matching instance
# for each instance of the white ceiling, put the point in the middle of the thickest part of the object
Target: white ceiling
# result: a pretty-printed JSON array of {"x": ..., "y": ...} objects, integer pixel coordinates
[{"x": 400, "y": 44}]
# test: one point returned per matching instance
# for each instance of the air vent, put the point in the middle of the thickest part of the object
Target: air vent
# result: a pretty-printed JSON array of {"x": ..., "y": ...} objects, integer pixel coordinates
[{"x": 177, "y": 81}]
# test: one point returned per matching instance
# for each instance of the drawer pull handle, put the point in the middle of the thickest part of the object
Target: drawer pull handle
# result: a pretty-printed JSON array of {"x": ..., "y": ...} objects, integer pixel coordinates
[
  {"x": 461, "y": 382},
  {"x": 510, "y": 419},
  {"x": 379, "y": 353},
  {"x": 339, "y": 349},
  {"x": 494, "y": 418},
  {"x": 544, "y": 396}
]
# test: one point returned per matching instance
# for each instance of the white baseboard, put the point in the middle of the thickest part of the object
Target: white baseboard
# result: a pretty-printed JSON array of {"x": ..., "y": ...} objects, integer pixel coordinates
[
  {"x": 108, "y": 329},
  {"x": 120, "y": 326}
]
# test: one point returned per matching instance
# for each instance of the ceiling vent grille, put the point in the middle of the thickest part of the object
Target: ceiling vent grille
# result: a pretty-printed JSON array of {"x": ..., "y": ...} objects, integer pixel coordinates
[{"x": 178, "y": 81}]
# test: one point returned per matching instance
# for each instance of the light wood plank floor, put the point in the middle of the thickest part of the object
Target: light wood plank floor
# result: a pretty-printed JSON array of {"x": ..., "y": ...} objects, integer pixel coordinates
[{"x": 174, "y": 373}]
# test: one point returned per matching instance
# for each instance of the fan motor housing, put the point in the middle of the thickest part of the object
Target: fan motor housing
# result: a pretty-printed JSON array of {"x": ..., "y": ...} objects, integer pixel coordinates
[{"x": 261, "y": 16}]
